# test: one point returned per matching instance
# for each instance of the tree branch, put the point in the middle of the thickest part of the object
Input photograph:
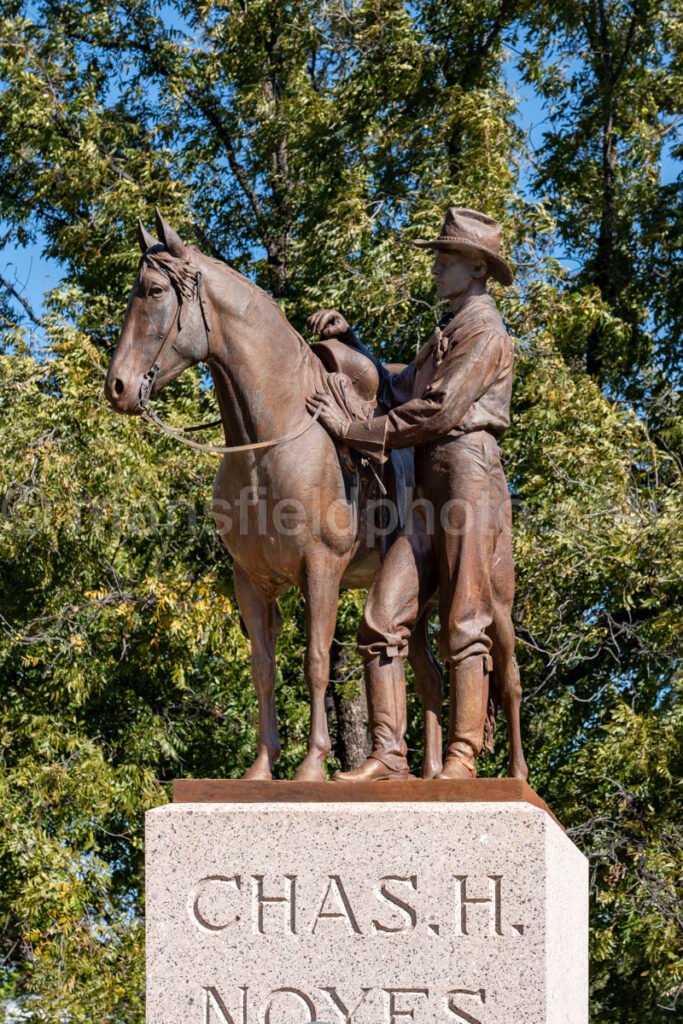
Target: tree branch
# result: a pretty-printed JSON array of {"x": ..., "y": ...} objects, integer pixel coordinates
[
  {"x": 228, "y": 144},
  {"x": 24, "y": 303},
  {"x": 507, "y": 9},
  {"x": 630, "y": 36},
  {"x": 481, "y": 51}
]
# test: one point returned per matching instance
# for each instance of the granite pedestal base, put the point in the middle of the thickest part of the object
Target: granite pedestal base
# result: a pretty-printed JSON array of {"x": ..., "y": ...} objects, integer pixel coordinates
[{"x": 387, "y": 906}]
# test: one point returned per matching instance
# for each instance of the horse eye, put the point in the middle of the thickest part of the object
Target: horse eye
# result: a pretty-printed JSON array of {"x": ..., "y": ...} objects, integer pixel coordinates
[{"x": 155, "y": 291}]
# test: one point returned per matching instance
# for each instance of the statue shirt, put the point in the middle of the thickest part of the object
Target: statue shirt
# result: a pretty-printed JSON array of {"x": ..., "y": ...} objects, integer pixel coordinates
[{"x": 460, "y": 381}]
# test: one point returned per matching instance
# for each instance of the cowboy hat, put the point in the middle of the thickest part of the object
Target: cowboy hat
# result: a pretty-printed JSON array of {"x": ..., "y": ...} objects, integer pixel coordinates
[{"x": 476, "y": 235}]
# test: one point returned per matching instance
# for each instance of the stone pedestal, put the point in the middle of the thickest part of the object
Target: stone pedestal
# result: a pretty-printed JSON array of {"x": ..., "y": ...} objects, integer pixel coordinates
[{"x": 401, "y": 903}]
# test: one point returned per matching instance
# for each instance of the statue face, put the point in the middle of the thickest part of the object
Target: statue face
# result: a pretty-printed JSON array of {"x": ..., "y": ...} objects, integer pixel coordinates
[{"x": 453, "y": 274}]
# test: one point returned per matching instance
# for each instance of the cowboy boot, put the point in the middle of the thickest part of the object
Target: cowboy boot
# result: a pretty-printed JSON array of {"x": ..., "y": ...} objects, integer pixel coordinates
[
  {"x": 385, "y": 685},
  {"x": 466, "y": 719}
]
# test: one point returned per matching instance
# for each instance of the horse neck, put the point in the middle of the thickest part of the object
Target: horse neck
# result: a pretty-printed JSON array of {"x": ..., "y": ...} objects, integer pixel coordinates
[{"x": 262, "y": 370}]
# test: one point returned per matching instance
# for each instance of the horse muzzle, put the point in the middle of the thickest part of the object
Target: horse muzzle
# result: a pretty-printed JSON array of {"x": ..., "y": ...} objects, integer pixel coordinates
[{"x": 123, "y": 394}]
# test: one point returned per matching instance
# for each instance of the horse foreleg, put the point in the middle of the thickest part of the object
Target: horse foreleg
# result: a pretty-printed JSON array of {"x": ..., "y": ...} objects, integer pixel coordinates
[
  {"x": 321, "y": 592},
  {"x": 428, "y": 683},
  {"x": 508, "y": 687},
  {"x": 261, "y": 618}
]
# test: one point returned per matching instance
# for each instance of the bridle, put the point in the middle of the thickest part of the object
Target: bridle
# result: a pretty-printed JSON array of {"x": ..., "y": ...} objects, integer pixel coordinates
[{"x": 147, "y": 384}]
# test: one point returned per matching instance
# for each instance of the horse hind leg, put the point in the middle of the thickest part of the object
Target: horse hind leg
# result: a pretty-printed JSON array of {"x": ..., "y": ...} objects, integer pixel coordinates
[
  {"x": 507, "y": 689},
  {"x": 428, "y": 683},
  {"x": 261, "y": 618}
]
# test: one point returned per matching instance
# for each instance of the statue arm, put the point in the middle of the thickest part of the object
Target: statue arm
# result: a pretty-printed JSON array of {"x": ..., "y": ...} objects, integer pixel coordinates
[
  {"x": 395, "y": 387},
  {"x": 469, "y": 370}
]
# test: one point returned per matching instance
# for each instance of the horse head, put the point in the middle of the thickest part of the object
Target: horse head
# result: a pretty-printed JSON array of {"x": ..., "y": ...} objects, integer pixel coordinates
[{"x": 164, "y": 330}]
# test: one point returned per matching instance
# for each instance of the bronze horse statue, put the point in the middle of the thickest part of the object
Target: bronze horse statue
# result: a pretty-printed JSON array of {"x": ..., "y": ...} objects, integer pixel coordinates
[{"x": 281, "y": 499}]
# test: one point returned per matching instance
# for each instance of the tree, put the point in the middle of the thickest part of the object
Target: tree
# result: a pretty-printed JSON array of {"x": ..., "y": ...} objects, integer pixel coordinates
[
  {"x": 610, "y": 73},
  {"x": 306, "y": 139}
]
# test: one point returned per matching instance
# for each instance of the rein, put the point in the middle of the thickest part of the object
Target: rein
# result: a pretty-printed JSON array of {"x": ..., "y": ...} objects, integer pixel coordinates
[
  {"x": 150, "y": 416},
  {"x": 217, "y": 449}
]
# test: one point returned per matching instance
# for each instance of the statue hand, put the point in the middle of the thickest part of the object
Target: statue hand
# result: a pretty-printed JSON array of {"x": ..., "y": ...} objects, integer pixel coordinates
[
  {"x": 331, "y": 417},
  {"x": 328, "y": 323}
]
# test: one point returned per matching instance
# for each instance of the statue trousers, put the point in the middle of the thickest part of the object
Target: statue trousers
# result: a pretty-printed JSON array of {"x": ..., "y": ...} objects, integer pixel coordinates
[{"x": 457, "y": 542}]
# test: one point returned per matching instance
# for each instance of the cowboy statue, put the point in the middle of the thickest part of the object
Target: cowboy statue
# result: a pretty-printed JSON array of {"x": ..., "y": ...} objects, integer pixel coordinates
[{"x": 452, "y": 403}]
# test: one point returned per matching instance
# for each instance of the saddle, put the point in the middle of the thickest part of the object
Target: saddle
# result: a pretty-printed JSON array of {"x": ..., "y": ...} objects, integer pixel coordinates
[
  {"x": 363, "y": 375},
  {"x": 354, "y": 382}
]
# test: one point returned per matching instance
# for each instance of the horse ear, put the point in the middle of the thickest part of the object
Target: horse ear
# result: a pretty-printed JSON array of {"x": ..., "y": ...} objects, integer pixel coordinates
[
  {"x": 169, "y": 237},
  {"x": 144, "y": 238}
]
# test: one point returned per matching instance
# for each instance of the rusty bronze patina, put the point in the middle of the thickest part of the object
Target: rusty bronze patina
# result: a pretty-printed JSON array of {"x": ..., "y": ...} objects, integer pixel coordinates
[
  {"x": 291, "y": 504},
  {"x": 453, "y": 405}
]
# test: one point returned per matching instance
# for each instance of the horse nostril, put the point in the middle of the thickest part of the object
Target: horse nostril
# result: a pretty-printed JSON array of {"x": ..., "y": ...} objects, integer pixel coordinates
[{"x": 118, "y": 387}]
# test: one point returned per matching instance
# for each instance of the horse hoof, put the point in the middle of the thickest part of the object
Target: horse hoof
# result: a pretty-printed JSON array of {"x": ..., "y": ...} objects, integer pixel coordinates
[
  {"x": 257, "y": 773},
  {"x": 519, "y": 771},
  {"x": 311, "y": 771},
  {"x": 431, "y": 771}
]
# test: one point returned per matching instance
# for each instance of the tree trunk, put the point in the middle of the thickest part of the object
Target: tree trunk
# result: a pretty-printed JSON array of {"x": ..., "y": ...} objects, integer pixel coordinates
[
  {"x": 608, "y": 274},
  {"x": 351, "y": 743}
]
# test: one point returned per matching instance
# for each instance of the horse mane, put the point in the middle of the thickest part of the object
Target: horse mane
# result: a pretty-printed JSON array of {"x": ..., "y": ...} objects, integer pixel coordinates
[{"x": 182, "y": 274}]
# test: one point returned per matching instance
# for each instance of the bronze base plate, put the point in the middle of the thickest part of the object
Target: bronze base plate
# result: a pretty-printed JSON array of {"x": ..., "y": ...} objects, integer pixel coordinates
[{"x": 240, "y": 791}]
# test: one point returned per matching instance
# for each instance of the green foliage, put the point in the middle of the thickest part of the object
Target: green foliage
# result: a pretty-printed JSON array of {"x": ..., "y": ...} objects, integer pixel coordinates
[
  {"x": 626, "y": 811},
  {"x": 309, "y": 139},
  {"x": 119, "y": 635},
  {"x": 611, "y": 75}
]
